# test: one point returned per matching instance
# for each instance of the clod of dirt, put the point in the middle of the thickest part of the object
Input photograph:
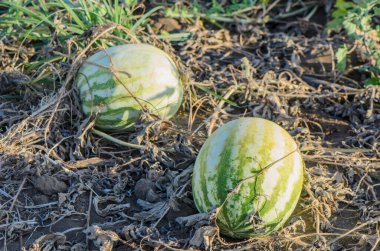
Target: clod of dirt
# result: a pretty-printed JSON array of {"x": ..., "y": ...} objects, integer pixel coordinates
[
  {"x": 39, "y": 199},
  {"x": 203, "y": 236},
  {"x": 375, "y": 174},
  {"x": 49, "y": 185},
  {"x": 152, "y": 197},
  {"x": 144, "y": 187},
  {"x": 168, "y": 24}
]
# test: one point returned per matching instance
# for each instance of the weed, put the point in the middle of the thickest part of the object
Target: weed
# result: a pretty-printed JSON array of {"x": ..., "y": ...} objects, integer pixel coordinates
[
  {"x": 215, "y": 11},
  {"x": 356, "y": 19},
  {"x": 55, "y": 31},
  {"x": 42, "y": 23}
]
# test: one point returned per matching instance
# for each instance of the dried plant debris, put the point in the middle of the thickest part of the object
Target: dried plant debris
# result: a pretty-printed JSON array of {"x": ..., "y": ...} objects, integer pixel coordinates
[{"x": 64, "y": 188}]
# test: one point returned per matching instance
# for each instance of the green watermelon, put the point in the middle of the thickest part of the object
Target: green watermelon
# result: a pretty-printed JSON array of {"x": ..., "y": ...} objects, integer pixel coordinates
[
  {"x": 252, "y": 171},
  {"x": 142, "y": 77}
]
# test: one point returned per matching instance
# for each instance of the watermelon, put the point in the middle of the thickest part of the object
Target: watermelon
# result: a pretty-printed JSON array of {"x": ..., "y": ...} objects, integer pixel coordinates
[
  {"x": 117, "y": 83},
  {"x": 251, "y": 171}
]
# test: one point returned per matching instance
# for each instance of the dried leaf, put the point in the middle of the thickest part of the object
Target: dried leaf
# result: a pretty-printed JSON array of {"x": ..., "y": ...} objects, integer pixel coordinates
[{"x": 203, "y": 236}]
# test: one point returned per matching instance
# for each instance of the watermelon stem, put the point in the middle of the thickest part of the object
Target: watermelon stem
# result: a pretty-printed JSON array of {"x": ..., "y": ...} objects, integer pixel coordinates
[
  {"x": 217, "y": 110},
  {"x": 127, "y": 144},
  {"x": 118, "y": 141}
]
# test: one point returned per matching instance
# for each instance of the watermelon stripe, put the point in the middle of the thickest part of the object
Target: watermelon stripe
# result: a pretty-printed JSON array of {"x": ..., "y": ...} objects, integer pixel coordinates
[
  {"x": 255, "y": 131},
  {"x": 89, "y": 70},
  {"x": 271, "y": 187},
  {"x": 103, "y": 81},
  {"x": 105, "y": 100},
  {"x": 115, "y": 122},
  {"x": 120, "y": 111},
  {"x": 290, "y": 195},
  {"x": 113, "y": 127},
  {"x": 213, "y": 153},
  {"x": 84, "y": 79},
  {"x": 114, "y": 116},
  {"x": 149, "y": 53},
  {"x": 279, "y": 200},
  {"x": 120, "y": 100},
  {"x": 223, "y": 169},
  {"x": 99, "y": 82},
  {"x": 292, "y": 204},
  {"x": 202, "y": 175},
  {"x": 114, "y": 102},
  {"x": 241, "y": 158}
]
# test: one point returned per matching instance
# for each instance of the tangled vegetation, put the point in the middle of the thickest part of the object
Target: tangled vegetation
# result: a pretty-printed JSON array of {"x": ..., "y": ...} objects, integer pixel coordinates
[{"x": 310, "y": 66}]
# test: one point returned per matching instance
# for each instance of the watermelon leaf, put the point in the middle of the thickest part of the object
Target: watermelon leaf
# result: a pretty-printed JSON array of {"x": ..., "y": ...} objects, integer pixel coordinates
[
  {"x": 372, "y": 81},
  {"x": 341, "y": 56}
]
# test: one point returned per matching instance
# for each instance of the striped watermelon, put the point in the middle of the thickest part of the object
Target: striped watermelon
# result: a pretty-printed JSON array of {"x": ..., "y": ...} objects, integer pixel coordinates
[
  {"x": 264, "y": 159},
  {"x": 142, "y": 77}
]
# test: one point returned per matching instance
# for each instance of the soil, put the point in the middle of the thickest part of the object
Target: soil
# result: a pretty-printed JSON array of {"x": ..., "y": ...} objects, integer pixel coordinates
[{"x": 63, "y": 187}]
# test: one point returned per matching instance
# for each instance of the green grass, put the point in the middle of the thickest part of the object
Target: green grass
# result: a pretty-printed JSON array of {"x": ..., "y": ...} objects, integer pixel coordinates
[
  {"x": 38, "y": 21},
  {"x": 57, "y": 30}
]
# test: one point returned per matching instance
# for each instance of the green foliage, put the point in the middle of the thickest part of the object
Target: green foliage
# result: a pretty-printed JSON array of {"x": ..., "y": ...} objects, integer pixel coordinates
[
  {"x": 39, "y": 21},
  {"x": 356, "y": 19},
  {"x": 372, "y": 81},
  {"x": 56, "y": 29},
  {"x": 215, "y": 12},
  {"x": 341, "y": 10}
]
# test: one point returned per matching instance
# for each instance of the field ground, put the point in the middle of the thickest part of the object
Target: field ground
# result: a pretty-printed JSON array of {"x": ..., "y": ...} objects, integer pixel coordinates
[{"x": 64, "y": 188}]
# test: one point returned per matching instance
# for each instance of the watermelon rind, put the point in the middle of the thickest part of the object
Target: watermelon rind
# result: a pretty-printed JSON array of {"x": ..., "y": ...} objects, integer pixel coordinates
[
  {"x": 251, "y": 171},
  {"x": 118, "y": 83}
]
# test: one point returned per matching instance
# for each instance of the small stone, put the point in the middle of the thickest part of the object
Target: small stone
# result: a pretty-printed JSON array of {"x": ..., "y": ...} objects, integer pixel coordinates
[{"x": 40, "y": 199}]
